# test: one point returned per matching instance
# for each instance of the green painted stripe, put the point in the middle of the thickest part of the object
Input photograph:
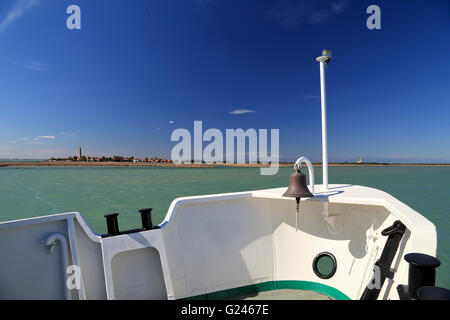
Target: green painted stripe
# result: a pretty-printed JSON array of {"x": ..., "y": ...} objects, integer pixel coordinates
[
  {"x": 272, "y": 285},
  {"x": 313, "y": 286}
]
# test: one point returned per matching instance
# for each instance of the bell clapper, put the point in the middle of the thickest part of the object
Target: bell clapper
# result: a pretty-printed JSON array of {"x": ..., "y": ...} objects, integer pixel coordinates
[{"x": 297, "y": 213}]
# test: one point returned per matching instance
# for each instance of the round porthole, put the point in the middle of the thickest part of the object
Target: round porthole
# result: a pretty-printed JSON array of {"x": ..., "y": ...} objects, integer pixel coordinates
[{"x": 324, "y": 265}]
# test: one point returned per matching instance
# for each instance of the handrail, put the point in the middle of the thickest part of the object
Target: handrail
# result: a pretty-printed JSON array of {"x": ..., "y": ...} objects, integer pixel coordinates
[{"x": 50, "y": 241}]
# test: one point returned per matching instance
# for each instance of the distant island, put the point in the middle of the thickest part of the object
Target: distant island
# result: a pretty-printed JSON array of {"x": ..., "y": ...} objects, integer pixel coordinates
[
  {"x": 152, "y": 162},
  {"x": 110, "y": 159},
  {"x": 122, "y": 161},
  {"x": 84, "y": 158}
]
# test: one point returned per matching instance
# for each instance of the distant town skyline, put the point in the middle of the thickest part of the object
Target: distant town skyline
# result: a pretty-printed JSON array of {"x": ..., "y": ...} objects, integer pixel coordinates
[
  {"x": 134, "y": 73},
  {"x": 152, "y": 158},
  {"x": 103, "y": 158}
]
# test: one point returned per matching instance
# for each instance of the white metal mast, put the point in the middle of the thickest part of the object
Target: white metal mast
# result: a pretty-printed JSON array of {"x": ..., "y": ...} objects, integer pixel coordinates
[{"x": 324, "y": 59}]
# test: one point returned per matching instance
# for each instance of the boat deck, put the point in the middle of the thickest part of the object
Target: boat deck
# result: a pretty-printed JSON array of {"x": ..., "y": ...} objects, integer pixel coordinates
[{"x": 283, "y": 294}]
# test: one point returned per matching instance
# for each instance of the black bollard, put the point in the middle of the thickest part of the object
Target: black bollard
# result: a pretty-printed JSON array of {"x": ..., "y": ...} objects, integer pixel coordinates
[
  {"x": 433, "y": 293},
  {"x": 112, "y": 224},
  {"x": 422, "y": 272},
  {"x": 146, "y": 218}
]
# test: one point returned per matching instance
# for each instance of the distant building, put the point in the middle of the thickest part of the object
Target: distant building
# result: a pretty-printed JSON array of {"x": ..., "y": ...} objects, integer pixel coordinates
[
  {"x": 80, "y": 154},
  {"x": 361, "y": 160}
]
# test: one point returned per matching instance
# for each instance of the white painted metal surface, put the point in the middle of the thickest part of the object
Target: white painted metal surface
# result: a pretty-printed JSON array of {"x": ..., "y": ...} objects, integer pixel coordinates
[
  {"x": 136, "y": 267},
  {"x": 217, "y": 242},
  {"x": 324, "y": 59}
]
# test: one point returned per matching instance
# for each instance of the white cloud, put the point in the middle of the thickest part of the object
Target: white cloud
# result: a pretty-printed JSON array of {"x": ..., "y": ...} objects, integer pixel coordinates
[
  {"x": 202, "y": 2},
  {"x": 33, "y": 153},
  {"x": 32, "y": 65},
  {"x": 35, "y": 140},
  {"x": 64, "y": 133},
  {"x": 241, "y": 111},
  {"x": 19, "y": 8},
  {"x": 293, "y": 13},
  {"x": 310, "y": 96}
]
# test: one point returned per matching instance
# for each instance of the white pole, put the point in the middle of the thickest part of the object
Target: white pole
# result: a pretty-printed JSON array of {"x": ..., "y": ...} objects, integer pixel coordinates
[
  {"x": 325, "y": 58},
  {"x": 324, "y": 126}
]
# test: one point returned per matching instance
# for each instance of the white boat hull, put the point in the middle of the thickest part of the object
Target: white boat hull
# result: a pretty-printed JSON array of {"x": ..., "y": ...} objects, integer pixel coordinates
[{"x": 218, "y": 246}]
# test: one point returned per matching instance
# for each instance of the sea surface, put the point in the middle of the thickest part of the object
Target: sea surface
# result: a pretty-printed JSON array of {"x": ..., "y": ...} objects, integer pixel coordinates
[{"x": 95, "y": 191}]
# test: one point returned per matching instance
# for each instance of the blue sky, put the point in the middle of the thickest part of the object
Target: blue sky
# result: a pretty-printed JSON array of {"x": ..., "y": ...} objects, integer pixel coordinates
[{"x": 137, "y": 70}]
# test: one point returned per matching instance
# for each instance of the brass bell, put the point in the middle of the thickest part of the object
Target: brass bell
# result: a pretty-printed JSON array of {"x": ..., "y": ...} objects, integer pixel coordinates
[
  {"x": 297, "y": 186},
  {"x": 297, "y": 189}
]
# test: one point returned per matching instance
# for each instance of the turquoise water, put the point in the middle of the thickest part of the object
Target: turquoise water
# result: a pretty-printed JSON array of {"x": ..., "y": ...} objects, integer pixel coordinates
[{"x": 31, "y": 192}]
